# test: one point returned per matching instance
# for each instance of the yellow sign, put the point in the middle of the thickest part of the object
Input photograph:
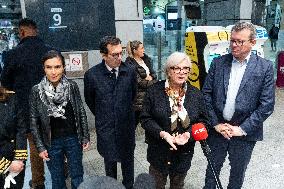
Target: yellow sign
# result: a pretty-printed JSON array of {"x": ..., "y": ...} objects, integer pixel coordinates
[{"x": 191, "y": 51}]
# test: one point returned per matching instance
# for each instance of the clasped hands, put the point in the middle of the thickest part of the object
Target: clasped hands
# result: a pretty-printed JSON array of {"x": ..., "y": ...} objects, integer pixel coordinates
[
  {"x": 228, "y": 131},
  {"x": 179, "y": 139}
]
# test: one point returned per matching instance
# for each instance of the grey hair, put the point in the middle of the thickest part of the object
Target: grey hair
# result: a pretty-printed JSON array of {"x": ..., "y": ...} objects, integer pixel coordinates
[
  {"x": 175, "y": 59},
  {"x": 245, "y": 25}
]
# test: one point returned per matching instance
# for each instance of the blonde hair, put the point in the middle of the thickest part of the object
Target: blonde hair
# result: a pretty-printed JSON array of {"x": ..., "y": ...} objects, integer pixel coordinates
[
  {"x": 175, "y": 59},
  {"x": 131, "y": 46}
]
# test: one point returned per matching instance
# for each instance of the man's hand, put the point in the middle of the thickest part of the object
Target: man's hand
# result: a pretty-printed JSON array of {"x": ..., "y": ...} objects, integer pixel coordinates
[
  {"x": 169, "y": 138},
  {"x": 224, "y": 129},
  {"x": 182, "y": 139},
  {"x": 16, "y": 166},
  {"x": 236, "y": 130},
  {"x": 44, "y": 155}
]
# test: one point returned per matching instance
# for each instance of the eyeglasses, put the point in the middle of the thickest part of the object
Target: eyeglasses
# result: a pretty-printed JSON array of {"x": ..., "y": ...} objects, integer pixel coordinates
[
  {"x": 179, "y": 69},
  {"x": 239, "y": 43},
  {"x": 116, "y": 55}
]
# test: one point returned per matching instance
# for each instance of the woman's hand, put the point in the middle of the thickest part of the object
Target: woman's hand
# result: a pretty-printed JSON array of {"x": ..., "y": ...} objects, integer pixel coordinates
[
  {"x": 149, "y": 78},
  {"x": 44, "y": 155},
  {"x": 169, "y": 138},
  {"x": 182, "y": 139},
  {"x": 86, "y": 146}
]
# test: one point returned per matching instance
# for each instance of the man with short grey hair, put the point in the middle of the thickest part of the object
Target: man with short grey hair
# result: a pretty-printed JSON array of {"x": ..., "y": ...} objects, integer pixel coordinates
[{"x": 239, "y": 93}]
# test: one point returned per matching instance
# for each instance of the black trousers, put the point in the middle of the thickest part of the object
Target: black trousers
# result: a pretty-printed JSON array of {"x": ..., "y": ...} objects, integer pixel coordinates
[
  {"x": 19, "y": 180},
  {"x": 127, "y": 168}
]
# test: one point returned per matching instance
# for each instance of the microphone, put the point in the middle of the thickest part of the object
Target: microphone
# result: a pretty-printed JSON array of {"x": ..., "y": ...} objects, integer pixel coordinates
[{"x": 199, "y": 133}]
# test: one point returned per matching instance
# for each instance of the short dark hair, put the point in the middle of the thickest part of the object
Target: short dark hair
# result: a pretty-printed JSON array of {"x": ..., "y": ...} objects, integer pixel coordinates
[
  {"x": 53, "y": 54},
  {"x": 108, "y": 40},
  {"x": 28, "y": 23}
]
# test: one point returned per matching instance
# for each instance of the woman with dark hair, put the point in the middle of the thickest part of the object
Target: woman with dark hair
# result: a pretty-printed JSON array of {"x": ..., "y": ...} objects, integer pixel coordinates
[
  {"x": 58, "y": 122},
  {"x": 170, "y": 109},
  {"x": 145, "y": 74}
]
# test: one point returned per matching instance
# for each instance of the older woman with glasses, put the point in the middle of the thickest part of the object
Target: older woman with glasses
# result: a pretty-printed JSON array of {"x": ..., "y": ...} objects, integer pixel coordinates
[{"x": 170, "y": 108}]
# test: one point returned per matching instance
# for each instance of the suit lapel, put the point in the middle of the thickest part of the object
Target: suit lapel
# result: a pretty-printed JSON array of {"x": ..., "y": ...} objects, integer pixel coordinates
[{"x": 249, "y": 69}]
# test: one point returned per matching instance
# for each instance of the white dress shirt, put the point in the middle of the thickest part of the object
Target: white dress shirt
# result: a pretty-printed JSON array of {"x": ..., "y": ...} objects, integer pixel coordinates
[
  {"x": 110, "y": 69},
  {"x": 236, "y": 76}
]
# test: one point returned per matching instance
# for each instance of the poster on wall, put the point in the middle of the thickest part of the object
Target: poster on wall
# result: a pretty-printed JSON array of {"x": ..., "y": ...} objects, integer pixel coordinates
[{"x": 76, "y": 63}]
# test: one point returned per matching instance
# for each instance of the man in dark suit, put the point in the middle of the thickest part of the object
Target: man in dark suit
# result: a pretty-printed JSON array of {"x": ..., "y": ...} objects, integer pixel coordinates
[
  {"x": 22, "y": 70},
  {"x": 109, "y": 89},
  {"x": 240, "y": 96}
]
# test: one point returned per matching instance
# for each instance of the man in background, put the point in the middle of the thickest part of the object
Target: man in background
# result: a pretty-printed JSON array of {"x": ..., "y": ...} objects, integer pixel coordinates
[{"x": 22, "y": 70}]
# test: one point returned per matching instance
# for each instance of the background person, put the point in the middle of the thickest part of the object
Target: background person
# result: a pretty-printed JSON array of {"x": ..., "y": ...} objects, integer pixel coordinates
[
  {"x": 170, "y": 108},
  {"x": 59, "y": 122},
  {"x": 13, "y": 143},
  {"x": 240, "y": 95},
  {"x": 22, "y": 70},
  {"x": 273, "y": 36},
  {"x": 144, "y": 71},
  {"x": 110, "y": 89}
]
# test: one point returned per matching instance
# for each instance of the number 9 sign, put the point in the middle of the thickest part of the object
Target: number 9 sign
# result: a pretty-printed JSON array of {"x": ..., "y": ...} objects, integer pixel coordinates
[{"x": 57, "y": 18}]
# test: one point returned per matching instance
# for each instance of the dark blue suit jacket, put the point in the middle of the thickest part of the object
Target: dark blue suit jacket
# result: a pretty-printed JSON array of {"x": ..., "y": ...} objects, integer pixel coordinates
[
  {"x": 255, "y": 99},
  {"x": 111, "y": 101}
]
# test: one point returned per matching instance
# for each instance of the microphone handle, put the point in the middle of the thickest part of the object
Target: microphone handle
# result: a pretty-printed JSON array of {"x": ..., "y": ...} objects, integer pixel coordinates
[
  {"x": 205, "y": 147},
  {"x": 207, "y": 153}
]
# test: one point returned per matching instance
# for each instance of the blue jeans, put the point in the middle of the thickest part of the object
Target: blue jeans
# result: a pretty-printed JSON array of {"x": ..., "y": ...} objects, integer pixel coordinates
[{"x": 72, "y": 150}]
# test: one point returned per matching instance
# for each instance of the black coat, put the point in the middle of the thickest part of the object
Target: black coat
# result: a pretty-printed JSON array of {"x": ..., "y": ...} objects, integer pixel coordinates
[
  {"x": 13, "y": 143},
  {"x": 273, "y": 33},
  {"x": 111, "y": 101},
  {"x": 39, "y": 120},
  {"x": 155, "y": 117},
  {"x": 142, "y": 83},
  {"x": 23, "y": 69}
]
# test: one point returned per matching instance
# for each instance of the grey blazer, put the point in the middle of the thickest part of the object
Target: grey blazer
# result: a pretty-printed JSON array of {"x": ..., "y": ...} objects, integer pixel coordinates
[{"x": 255, "y": 99}]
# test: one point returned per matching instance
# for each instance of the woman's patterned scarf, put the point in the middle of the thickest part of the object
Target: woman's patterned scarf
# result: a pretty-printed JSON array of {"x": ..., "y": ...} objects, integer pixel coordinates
[
  {"x": 176, "y": 99},
  {"x": 55, "y": 98}
]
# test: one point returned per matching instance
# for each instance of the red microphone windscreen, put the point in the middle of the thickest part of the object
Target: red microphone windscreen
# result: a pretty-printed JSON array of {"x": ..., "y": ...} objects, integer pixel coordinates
[{"x": 199, "y": 132}]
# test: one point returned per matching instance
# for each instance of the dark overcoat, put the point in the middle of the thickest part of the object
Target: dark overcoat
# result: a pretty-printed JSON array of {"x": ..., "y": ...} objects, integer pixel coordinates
[
  {"x": 23, "y": 69},
  {"x": 111, "y": 101}
]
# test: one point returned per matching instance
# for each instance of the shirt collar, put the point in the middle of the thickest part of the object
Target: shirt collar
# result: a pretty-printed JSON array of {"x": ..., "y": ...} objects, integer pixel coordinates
[
  {"x": 109, "y": 68},
  {"x": 245, "y": 60}
]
